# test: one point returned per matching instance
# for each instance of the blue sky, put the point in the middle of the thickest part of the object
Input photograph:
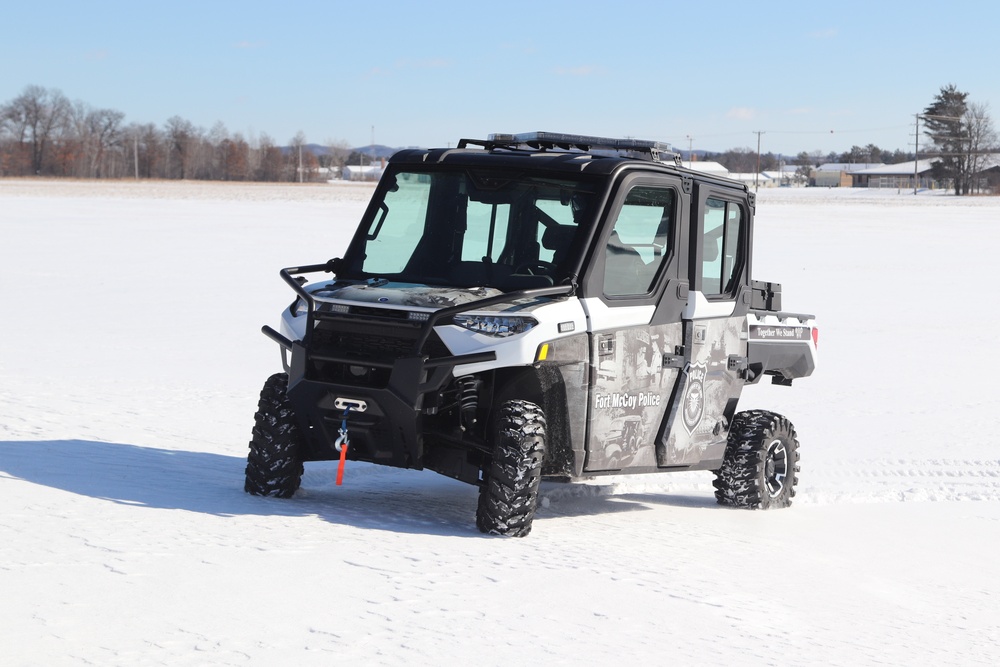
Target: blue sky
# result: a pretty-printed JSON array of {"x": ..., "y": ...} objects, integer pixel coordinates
[{"x": 811, "y": 76}]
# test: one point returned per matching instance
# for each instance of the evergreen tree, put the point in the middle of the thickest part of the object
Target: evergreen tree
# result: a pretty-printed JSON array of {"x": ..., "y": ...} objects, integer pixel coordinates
[{"x": 945, "y": 126}]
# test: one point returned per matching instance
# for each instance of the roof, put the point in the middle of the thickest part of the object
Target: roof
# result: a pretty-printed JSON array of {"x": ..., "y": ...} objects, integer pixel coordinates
[
  {"x": 749, "y": 177},
  {"x": 898, "y": 169},
  {"x": 991, "y": 161},
  {"x": 570, "y": 162},
  {"x": 706, "y": 166},
  {"x": 849, "y": 167},
  {"x": 778, "y": 174}
]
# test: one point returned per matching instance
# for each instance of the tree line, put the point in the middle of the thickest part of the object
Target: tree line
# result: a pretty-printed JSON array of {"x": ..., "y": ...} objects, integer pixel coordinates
[{"x": 43, "y": 133}]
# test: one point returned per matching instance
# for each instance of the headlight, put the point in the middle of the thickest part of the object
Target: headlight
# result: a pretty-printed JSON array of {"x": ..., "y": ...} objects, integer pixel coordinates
[{"x": 496, "y": 325}]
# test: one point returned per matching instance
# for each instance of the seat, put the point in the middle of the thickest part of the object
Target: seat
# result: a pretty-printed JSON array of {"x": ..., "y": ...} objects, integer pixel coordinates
[
  {"x": 558, "y": 239},
  {"x": 624, "y": 269}
]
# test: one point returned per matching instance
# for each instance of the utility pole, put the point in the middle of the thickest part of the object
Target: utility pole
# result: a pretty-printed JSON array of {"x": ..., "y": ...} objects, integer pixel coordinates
[
  {"x": 756, "y": 176},
  {"x": 690, "y": 142}
]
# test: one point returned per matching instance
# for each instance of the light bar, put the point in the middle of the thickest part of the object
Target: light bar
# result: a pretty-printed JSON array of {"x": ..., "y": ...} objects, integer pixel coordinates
[{"x": 552, "y": 140}]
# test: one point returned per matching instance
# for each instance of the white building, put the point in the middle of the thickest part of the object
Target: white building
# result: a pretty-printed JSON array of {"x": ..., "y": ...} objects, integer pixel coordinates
[{"x": 838, "y": 174}]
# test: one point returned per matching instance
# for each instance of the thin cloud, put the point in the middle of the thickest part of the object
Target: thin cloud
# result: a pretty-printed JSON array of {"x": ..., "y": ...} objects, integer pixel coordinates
[
  {"x": 740, "y": 113},
  {"x": 247, "y": 44},
  {"x": 97, "y": 54}
]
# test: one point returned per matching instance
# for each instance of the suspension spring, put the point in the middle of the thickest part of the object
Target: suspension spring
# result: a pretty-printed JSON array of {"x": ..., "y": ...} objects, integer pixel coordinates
[{"x": 468, "y": 400}]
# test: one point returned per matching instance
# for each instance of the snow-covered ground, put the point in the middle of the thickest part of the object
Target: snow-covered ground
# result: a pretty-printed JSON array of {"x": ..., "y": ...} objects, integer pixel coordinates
[{"x": 131, "y": 359}]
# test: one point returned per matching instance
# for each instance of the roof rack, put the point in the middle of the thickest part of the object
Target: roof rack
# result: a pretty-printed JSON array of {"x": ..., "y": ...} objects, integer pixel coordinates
[{"x": 642, "y": 149}]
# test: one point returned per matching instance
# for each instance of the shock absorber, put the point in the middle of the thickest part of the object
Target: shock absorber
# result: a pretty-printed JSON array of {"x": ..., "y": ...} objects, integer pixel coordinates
[{"x": 468, "y": 400}]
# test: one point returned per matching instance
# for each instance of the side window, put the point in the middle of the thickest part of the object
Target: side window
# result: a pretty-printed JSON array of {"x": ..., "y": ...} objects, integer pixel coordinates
[
  {"x": 640, "y": 242},
  {"x": 722, "y": 250}
]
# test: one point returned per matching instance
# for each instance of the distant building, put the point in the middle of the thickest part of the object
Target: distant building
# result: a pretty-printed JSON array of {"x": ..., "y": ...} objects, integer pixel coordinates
[
  {"x": 989, "y": 175},
  {"x": 364, "y": 172},
  {"x": 752, "y": 178},
  {"x": 897, "y": 176},
  {"x": 716, "y": 169},
  {"x": 706, "y": 167},
  {"x": 838, "y": 174},
  {"x": 787, "y": 175}
]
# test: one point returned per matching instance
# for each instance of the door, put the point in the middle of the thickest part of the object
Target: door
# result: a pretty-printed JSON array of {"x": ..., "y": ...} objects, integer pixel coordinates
[
  {"x": 634, "y": 321},
  {"x": 715, "y": 329}
]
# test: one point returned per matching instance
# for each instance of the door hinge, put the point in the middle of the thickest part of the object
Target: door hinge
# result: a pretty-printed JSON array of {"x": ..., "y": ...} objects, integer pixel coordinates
[
  {"x": 738, "y": 364},
  {"x": 675, "y": 360}
]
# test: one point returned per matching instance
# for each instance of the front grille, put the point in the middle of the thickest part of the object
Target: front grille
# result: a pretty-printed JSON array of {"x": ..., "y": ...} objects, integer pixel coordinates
[
  {"x": 364, "y": 344},
  {"x": 385, "y": 313}
]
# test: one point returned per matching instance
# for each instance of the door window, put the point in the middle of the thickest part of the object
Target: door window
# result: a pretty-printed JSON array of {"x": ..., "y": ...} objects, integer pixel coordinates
[
  {"x": 640, "y": 241},
  {"x": 722, "y": 249}
]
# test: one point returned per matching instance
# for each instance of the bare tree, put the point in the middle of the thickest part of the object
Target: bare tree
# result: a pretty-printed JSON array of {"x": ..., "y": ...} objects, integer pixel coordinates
[
  {"x": 105, "y": 126},
  {"x": 295, "y": 157},
  {"x": 982, "y": 139},
  {"x": 149, "y": 150},
  {"x": 236, "y": 159},
  {"x": 271, "y": 163},
  {"x": 90, "y": 135},
  {"x": 336, "y": 158},
  {"x": 740, "y": 160},
  {"x": 34, "y": 116},
  {"x": 182, "y": 139}
]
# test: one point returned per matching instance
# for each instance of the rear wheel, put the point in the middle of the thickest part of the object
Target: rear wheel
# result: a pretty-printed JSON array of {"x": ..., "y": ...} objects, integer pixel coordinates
[
  {"x": 761, "y": 466},
  {"x": 274, "y": 465},
  {"x": 508, "y": 495}
]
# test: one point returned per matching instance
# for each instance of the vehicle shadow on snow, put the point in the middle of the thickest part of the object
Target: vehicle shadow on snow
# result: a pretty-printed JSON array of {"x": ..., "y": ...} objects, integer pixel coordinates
[
  {"x": 372, "y": 497},
  {"x": 150, "y": 477},
  {"x": 565, "y": 500}
]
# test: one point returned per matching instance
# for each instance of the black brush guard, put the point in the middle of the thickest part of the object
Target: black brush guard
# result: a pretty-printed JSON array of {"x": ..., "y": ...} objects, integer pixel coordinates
[{"x": 390, "y": 431}]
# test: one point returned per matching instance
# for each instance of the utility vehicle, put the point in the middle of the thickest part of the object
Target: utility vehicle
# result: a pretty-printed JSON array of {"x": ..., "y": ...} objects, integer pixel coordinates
[{"x": 538, "y": 305}]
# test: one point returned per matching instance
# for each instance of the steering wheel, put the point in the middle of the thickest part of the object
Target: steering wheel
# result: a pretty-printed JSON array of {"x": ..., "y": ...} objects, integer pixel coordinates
[{"x": 537, "y": 267}]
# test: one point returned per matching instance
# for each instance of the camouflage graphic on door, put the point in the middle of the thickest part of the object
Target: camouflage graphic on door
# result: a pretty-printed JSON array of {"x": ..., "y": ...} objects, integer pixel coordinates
[
  {"x": 631, "y": 395},
  {"x": 700, "y": 429}
]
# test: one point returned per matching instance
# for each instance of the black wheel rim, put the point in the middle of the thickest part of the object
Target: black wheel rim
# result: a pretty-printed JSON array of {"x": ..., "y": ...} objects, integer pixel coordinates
[{"x": 775, "y": 468}]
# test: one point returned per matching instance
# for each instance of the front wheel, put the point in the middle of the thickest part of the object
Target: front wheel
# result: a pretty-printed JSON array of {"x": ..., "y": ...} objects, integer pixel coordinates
[
  {"x": 274, "y": 465},
  {"x": 761, "y": 465},
  {"x": 508, "y": 495}
]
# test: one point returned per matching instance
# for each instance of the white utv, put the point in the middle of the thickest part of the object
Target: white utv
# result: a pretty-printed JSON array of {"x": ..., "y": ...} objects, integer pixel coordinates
[{"x": 538, "y": 305}]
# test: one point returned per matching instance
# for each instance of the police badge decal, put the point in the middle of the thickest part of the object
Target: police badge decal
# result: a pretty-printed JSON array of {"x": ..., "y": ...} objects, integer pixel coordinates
[{"x": 694, "y": 398}]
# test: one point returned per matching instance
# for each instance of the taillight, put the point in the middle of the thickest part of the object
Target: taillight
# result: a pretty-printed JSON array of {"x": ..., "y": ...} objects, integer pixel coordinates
[{"x": 815, "y": 337}]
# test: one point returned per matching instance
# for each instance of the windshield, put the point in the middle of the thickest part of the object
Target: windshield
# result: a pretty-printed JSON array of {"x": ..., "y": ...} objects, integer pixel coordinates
[{"x": 473, "y": 227}]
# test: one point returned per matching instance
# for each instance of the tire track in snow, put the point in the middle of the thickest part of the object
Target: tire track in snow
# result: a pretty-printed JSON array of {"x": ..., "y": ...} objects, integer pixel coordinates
[
  {"x": 902, "y": 480},
  {"x": 828, "y": 482}
]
